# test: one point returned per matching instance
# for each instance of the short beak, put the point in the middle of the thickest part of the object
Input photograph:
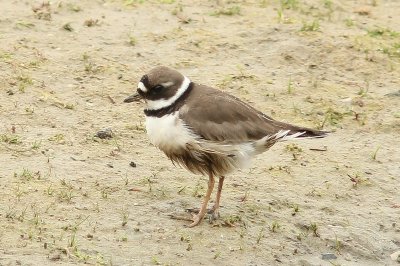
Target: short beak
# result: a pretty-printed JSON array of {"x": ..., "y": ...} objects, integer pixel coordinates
[{"x": 133, "y": 98}]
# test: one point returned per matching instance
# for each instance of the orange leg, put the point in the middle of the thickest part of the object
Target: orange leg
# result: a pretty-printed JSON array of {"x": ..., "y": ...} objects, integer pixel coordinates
[
  {"x": 203, "y": 210},
  {"x": 215, "y": 208}
]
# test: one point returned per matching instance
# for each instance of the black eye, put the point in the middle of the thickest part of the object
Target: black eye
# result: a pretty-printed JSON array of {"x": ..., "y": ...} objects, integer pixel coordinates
[{"x": 157, "y": 89}]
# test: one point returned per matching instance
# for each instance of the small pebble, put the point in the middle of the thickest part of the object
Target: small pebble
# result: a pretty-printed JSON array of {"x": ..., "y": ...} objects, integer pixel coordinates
[
  {"x": 132, "y": 164},
  {"x": 328, "y": 256},
  {"x": 105, "y": 133}
]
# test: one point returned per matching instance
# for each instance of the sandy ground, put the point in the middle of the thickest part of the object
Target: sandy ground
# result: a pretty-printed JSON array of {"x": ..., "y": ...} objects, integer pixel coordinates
[{"x": 69, "y": 198}]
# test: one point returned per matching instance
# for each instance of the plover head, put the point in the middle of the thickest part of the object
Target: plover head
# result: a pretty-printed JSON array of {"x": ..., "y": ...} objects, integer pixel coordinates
[{"x": 160, "y": 88}]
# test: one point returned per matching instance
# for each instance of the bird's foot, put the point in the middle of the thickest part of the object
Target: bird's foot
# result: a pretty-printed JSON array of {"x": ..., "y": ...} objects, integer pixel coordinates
[
  {"x": 213, "y": 213},
  {"x": 196, "y": 218}
]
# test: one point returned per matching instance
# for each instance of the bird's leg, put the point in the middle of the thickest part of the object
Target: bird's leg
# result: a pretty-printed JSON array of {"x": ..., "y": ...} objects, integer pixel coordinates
[
  {"x": 215, "y": 208},
  {"x": 198, "y": 217}
]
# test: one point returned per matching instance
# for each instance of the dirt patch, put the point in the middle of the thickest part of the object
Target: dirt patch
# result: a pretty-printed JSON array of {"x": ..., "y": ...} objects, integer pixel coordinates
[{"x": 69, "y": 197}]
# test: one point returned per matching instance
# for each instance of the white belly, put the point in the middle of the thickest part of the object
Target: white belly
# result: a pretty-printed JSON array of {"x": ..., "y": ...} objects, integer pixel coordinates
[
  {"x": 168, "y": 133},
  {"x": 171, "y": 135}
]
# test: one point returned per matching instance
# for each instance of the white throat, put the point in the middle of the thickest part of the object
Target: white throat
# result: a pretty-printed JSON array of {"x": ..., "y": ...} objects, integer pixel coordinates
[{"x": 161, "y": 103}]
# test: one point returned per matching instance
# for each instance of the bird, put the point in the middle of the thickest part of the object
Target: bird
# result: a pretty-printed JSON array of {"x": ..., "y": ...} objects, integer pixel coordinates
[{"x": 206, "y": 130}]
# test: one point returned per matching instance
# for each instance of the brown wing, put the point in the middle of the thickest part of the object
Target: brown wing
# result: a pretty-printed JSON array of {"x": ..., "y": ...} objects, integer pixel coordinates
[{"x": 218, "y": 116}]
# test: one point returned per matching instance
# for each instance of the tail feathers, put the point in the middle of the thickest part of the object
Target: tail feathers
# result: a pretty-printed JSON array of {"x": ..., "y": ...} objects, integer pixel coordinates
[
  {"x": 268, "y": 141},
  {"x": 289, "y": 136},
  {"x": 284, "y": 135},
  {"x": 304, "y": 133}
]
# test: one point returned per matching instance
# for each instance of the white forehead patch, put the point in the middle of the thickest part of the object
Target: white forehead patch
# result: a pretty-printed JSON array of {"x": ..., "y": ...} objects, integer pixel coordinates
[
  {"x": 142, "y": 87},
  {"x": 167, "y": 84}
]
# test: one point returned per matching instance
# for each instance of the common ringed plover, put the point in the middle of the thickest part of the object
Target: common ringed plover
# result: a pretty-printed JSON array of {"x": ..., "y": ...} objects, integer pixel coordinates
[{"x": 205, "y": 130}]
